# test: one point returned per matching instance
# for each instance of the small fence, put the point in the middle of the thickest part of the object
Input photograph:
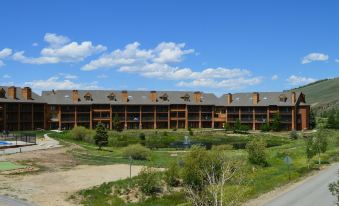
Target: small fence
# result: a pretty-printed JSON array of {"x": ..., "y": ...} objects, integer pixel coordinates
[{"x": 18, "y": 139}]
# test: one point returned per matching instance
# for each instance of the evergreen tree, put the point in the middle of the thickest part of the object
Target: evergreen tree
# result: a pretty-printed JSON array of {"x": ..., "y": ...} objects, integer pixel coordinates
[
  {"x": 275, "y": 126},
  {"x": 237, "y": 126},
  {"x": 116, "y": 125},
  {"x": 312, "y": 120},
  {"x": 101, "y": 136},
  {"x": 331, "y": 121}
]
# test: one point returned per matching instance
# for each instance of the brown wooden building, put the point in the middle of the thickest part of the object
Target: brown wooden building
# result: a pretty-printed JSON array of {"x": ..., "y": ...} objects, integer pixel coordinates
[{"x": 64, "y": 109}]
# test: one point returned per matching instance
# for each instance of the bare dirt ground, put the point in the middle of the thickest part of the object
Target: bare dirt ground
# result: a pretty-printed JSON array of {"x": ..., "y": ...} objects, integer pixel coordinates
[{"x": 59, "y": 177}]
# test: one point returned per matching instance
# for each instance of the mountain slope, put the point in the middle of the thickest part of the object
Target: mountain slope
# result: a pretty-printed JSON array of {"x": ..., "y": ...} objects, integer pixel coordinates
[{"x": 323, "y": 95}]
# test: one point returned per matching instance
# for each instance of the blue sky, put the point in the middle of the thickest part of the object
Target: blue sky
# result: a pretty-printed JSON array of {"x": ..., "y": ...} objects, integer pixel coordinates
[{"x": 212, "y": 46}]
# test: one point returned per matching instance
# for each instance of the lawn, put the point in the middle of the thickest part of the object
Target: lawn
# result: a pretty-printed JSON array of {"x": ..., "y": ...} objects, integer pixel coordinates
[
  {"x": 258, "y": 180},
  {"x": 10, "y": 166}
]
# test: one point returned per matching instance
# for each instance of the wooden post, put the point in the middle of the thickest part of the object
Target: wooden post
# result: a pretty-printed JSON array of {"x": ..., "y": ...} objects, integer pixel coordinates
[
  {"x": 212, "y": 117},
  {"x": 293, "y": 118},
  {"x": 140, "y": 117},
  {"x": 253, "y": 120},
  {"x": 155, "y": 117},
  {"x": 268, "y": 115},
  {"x": 186, "y": 117},
  {"x": 125, "y": 117},
  {"x": 90, "y": 118},
  {"x": 75, "y": 116}
]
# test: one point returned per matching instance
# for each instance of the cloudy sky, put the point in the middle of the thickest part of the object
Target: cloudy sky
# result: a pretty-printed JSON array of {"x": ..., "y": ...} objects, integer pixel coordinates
[{"x": 212, "y": 46}]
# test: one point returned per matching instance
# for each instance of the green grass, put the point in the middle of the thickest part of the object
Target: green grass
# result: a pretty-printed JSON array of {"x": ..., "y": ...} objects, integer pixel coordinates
[
  {"x": 4, "y": 166},
  {"x": 257, "y": 181}
]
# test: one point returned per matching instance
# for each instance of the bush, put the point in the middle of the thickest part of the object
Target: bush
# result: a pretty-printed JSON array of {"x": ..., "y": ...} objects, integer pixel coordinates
[
  {"x": 148, "y": 181},
  {"x": 82, "y": 134},
  {"x": 172, "y": 177},
  {"x": 256, "y": 152},
  {"x": 294, "y": 134},
  {"x": 265, "y": 127},
  {"x": 136, "y": 152},
  {"x": 101, "y": 136},
  {"x": 222, "y": 147},
  {"x": 142, "y": 136}
]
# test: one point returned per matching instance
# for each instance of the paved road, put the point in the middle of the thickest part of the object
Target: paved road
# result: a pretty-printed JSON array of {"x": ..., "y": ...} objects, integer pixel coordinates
[
  {"x": 313, "y": 192},
  {"x": 6, "y": 201}
]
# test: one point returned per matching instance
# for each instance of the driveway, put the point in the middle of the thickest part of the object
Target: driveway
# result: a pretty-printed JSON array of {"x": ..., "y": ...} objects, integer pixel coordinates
[{"x": 313, "y": 192}]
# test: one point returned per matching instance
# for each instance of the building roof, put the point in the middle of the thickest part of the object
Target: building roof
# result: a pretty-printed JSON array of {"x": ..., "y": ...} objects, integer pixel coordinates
[
  {"x": 19, "y": 98},
  {"x": 64, "y": 97}
]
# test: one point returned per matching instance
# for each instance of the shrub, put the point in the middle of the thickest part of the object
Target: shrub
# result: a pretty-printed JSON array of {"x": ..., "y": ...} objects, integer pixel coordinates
[
  {"x": 227, "y": 127},
  {"x": 148, "y": 181},
  {"x": 79, "y": 133},
  {"x": 265, "y": 127},
  {"x": 222, "y": 147},
  {"x": 142, "y": 136},
  {"x": 136, "y": 152},
  {"x": 172, "y": 177},
  {"x": 276, "y": 123},
  {"x": 294, "y": 134},
  {"x": 256, "y": 152}
]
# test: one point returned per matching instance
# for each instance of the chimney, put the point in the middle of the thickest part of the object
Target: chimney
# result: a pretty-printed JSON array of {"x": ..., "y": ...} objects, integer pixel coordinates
[
  {"x": 75, "y": 96},
  {"x": 12, "y": 92},
  {"x": 26, "y": 93},
  {"x": 255, "y": 97},
  {"x": 153, "y": 96},
  {"x": 293, "y": 97},
  {"x": 124, "y": 96},
  {"x": 197, "y": 96},
  {"x": 229, "y": 98}
]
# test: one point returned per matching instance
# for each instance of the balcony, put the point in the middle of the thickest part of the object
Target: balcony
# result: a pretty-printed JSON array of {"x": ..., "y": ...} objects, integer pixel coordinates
[{"x": 147, "y": 119}]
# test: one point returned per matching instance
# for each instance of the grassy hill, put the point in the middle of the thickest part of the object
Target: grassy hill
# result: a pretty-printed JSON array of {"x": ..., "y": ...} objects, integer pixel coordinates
[{"x": 323, "y": 95}]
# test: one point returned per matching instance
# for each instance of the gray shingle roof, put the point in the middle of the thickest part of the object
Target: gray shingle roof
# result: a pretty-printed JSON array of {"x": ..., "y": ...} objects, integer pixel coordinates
[
  {"x": 19, "y": 98},
  {"x": 174, "y": 97}
]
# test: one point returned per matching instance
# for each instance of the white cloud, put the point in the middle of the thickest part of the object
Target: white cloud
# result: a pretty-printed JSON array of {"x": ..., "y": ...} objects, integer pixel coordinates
[
  {"x": 274, "y": 77},
  {"x": 6, "y": 52},
  {"x": 60, "y": 49},
  {"x": 314, "y": 57},
  {"x": 35, "y": 44},
  {"x": 6, "y": 76},
  {"x": 337, "y": 60},
  {"x": 159, "y": 63},
  {"x": 57, "y": 82},
  {"x": 68, "y": 76},
  {"x": 299, "y": 80}
]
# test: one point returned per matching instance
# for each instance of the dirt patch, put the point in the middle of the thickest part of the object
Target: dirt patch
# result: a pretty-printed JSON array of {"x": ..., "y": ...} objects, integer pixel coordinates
[{"x": 54, "y": 188}]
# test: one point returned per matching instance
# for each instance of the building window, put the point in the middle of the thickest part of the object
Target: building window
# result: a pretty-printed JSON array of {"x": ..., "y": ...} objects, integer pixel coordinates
[
  {"x": 2, "y": 93},
  {"x": 282, "y": 98},
  {"x": 164, "y": 97},
  {"x": 112, "y": 97},
  {"x": 88, "y": 97},
  {"x": 186, "y": 97}
]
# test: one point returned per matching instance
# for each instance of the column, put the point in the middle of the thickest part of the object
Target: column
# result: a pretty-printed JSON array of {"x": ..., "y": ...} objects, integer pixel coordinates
[
  {"x": 155, "y": 117},
  {"x": 253, "y": 120}
]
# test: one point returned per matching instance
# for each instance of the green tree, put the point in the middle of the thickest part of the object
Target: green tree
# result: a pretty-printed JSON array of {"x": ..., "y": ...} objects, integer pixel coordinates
[
  {"x": 101, "y": 136},
  {"x": 237, "y": 126},
  {"x": 313, "y": 122},
  {"x": 320, "y": 144},
  {"x": 227, "y": 127},
  {"x": 276, "y": 122},
  {"x": 116, "y": 125},
  {"x": 265, "y": 127},
  {"x": 256, "y": 149},
  {"x": 331, "y": 121},
  {"x": 310, "y": 151}
]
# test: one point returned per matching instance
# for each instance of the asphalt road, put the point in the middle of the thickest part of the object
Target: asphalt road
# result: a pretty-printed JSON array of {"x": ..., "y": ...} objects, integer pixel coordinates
[
  {"x": 7, "y": 201},
  {"x": 313, "y": 192}
]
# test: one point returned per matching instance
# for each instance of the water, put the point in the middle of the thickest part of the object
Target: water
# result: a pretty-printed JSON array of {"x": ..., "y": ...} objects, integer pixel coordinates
[{"x": 4, "y": 143}]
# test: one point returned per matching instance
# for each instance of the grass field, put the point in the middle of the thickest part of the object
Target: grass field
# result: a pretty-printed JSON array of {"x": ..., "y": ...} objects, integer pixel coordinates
[
  {"x": 258, "y": 180},
  {"x": 9, "y": 166}
]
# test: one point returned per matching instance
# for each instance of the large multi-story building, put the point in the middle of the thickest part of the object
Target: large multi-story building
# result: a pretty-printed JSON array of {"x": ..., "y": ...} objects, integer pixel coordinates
[{"x": 21, "y": 109}]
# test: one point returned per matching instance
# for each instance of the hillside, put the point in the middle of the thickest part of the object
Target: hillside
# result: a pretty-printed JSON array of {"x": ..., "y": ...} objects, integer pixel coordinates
[{"x": 323, "y": 95}]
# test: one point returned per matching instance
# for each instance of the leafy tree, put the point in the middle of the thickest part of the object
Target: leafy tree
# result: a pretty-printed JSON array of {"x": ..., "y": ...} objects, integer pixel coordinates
[
  {"x": 310, "y": 151},
  {"x": 312, "y": 120},
  {"x": 331, "y": 121},
  {"x": 101, "y": 136},
  {"x": 116, "y": 125},
  {"x": 320, "y": 144},
  {"x": 334, "y": 189},
  {"x": 276, "y": 122},
  {"x": 256, "y": 149}
]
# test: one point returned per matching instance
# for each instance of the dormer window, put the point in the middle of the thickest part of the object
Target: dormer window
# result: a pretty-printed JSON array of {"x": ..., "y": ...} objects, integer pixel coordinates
[
  {"x": 88, "y": 96},
  {"x": 164, "y": 97},
  {"x": 112, "y": 97},
  {"x": 2, "y": 93},
  {"x": 186, "y": 97},
  {"x": 282, "y": 98}
]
